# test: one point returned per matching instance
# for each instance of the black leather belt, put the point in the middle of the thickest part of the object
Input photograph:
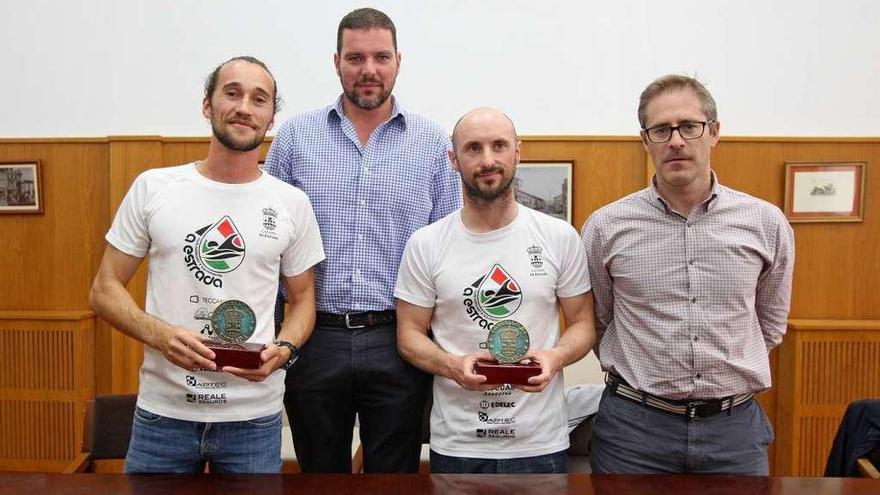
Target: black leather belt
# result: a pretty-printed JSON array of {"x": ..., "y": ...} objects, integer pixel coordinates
[
  {"x": 690, "y": 409},
  {"x": 356, "y": 320}
]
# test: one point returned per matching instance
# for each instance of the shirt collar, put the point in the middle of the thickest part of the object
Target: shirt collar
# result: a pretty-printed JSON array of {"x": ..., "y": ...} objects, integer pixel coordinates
[
  {"x": 397, "y": 114},
  {"x": 709, "y": 203}
]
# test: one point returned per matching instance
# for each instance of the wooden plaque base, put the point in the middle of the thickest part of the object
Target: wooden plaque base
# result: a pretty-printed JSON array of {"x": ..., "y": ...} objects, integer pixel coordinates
[
  {"x": 245, "y": 355},
  {"x": 514, "y": 374}
]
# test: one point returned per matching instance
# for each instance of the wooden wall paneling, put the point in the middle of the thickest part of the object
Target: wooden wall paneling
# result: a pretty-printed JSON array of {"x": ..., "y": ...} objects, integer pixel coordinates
[
  {"x": 129, "y": 156},
  {"x": 180, "y": 150},
  {"x": 826, "y": 364},
  {"x": 46, "y": 375},
  {"x": 751, "y": 167},
  {"x": 605, "y": 168},
  {"x": 786, "y": 384},
  {"x": 183, "y": 150},
  {"x": 48, "y": 259},
  {"x": 838, "y": 265}
]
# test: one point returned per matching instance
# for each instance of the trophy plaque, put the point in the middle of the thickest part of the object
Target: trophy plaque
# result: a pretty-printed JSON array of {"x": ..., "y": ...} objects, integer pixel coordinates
[
  {"x": 233, "y": 323},
  {"x": 508, "y": 343}
]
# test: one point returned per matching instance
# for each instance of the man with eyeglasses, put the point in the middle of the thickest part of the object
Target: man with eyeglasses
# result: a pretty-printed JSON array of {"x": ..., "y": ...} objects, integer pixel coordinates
[{"x": 692, "y": 284}]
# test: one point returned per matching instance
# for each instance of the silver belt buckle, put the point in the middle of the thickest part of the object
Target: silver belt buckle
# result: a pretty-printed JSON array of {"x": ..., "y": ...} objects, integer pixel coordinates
[
  {"x": 348, "y": 324},
  {"x": 691, "y": 409}
]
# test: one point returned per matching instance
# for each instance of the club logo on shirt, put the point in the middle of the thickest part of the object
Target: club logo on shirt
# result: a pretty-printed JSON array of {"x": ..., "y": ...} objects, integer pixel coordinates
[
  {"x": 494, "y": 296},
  {"x": 270, "y": 222},
  {"x": 269, "y": 218},
  {"x": 535, "y": 257},
  {"x": 214, "y": 250}
]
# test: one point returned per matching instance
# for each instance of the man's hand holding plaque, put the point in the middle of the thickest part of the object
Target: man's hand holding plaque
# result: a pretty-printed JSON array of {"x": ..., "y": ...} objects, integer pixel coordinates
[
  {"x": 508, "y": 343},
  {"x": 233, "y": 323}
]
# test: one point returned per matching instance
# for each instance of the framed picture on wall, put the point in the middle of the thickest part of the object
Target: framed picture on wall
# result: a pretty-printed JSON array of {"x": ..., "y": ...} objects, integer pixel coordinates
[
  {"x": 545, "y": 186},
  {"x": 20, "y": 190},
  {"x": 824, "y": 191}
]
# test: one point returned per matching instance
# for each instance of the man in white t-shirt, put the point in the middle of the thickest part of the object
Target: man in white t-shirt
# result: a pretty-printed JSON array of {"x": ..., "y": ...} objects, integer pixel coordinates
[
  {"x": 219, "y": 231},
  {"x": 494, "y": 260}
]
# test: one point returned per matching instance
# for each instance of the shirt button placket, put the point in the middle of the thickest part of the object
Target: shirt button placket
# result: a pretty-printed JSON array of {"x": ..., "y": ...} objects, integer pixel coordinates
[
  {"x": 362, "y": 219},
  {"x": 688, "y": 270},
  {"x": 689, "y": 274}
]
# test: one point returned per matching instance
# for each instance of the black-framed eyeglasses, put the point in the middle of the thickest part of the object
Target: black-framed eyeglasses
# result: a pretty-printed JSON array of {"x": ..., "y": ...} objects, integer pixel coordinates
[{"x": 662, "y": 133}]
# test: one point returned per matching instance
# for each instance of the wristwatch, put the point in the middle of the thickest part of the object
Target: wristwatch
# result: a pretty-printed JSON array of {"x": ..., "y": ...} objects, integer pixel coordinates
[{"x": 294, "y": 353}]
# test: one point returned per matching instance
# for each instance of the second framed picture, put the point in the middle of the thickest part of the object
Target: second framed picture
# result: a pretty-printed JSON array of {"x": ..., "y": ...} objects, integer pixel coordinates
[{"x": 546, "y": 187}]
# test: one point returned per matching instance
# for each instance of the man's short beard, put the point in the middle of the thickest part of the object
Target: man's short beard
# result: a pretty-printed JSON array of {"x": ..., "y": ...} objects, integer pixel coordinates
[
  {"x": 476, "y": 193},
  {"x": 228, "y": 141},
  {"x": 367, "y": 103}
]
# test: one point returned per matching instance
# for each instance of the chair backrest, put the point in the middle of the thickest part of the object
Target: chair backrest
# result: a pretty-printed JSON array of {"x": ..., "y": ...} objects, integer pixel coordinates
[
  {"x": 108, "y": 426},
  {"x": 869, "y": 465},
  {"x": 857, "y": 436}
]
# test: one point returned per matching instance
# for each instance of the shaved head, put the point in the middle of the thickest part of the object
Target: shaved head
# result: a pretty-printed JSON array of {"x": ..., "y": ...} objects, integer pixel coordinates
[
  {"x": 485, "y": 151},
  {"x": 480, "y": 117}
]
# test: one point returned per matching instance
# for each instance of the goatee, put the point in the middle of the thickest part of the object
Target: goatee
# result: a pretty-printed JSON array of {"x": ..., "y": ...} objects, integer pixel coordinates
[{"x": 230, "y": 142}]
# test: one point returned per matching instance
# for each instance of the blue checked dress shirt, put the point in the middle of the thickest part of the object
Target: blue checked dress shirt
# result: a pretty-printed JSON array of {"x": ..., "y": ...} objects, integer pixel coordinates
[{"x": 368, "y": 199}]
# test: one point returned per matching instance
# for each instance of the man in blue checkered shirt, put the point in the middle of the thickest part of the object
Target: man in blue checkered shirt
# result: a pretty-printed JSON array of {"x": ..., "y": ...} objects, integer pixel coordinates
[{"x": 374, "y": 174}]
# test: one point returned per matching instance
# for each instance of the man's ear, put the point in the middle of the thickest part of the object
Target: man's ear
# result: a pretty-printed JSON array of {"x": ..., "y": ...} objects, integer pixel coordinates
[
  {"x": 644, "y": 138},
  {"x": 206, "y": 108},
  {"x": 715, "y": 132}
]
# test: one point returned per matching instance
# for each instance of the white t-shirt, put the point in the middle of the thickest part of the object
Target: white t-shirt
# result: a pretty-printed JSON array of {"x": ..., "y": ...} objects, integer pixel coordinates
[
  {"x": 209, "y": 242},
  {"x": 473, "y": 281}
]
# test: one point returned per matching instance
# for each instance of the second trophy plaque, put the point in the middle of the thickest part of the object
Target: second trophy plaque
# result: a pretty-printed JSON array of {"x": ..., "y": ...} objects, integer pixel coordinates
[
  {"x": 508, "y": 343},
  {"x": 233, "y": 323}
]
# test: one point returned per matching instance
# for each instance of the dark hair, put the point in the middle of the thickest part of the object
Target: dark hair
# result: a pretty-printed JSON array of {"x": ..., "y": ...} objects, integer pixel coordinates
[
  {"x": 365, "y": 18},
  {"x": 211, "y": 81},
  {"x": 672, "y": 82}
]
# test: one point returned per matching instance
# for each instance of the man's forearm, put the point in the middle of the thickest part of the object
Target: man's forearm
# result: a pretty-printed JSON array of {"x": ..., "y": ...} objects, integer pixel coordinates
[
  {"x": 298, "y": 323},
  {"x": 575, "y": 343},
  {"x": 423, "y": 353},
  {"x": 112, "y": 302}
]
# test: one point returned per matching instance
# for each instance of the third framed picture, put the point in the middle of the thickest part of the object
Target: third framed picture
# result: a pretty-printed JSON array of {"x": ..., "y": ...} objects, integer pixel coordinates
[{"x": 824, "y": 191}]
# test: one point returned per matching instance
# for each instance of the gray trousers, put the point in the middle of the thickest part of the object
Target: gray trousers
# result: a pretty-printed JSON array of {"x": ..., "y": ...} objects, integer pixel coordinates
[{"x": 631, "y": 438}]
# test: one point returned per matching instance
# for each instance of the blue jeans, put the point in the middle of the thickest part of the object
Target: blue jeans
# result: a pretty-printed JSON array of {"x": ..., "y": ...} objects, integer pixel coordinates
[
  {"x": 343, "y": 372},
  {"x": 541, "y": 464},
  {"x": 165, "y": 445},
  {"x": 631, "y": 438}
]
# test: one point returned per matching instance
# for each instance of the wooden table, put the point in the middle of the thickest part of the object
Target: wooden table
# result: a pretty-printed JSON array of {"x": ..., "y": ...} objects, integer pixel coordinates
[{"x": 347, "y": 484}]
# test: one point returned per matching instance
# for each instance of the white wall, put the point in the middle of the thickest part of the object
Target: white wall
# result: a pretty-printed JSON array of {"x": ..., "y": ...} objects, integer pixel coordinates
[{"x": 133, "y": 67}]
